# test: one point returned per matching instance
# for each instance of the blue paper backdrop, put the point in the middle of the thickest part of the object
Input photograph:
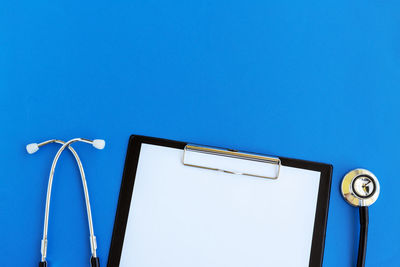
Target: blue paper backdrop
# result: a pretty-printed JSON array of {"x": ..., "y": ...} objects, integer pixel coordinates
[{"x": 316, "y": 80}]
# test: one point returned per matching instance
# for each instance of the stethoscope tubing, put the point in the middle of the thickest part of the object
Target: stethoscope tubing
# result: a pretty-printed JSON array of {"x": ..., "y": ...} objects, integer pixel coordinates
[{"x": 362, "y": 243}]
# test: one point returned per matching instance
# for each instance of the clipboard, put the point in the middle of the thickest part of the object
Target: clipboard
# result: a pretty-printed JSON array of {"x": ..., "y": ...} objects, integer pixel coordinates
[{"x": 186, "y": 205}]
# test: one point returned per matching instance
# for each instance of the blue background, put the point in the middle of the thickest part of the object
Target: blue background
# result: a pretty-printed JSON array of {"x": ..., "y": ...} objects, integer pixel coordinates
[{"x": 316, "y": 80}]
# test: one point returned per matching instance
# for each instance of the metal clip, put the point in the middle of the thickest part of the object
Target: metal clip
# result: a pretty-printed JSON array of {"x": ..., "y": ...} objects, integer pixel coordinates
[{"x": 231, "y": 161}]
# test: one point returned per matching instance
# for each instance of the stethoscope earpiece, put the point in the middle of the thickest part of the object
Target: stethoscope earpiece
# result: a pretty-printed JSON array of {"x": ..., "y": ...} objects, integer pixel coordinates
[{"x": 360, "y": 188}]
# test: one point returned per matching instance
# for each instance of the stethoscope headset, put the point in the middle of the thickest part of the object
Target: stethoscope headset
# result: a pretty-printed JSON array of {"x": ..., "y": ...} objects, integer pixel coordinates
[
  {"x": 360, "y": 188},
  {"x": 32, "y": 148}
]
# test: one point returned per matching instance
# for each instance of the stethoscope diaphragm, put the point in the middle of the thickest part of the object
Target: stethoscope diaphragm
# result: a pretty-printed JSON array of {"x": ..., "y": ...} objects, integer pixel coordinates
[{"x": 360, "y": 188}]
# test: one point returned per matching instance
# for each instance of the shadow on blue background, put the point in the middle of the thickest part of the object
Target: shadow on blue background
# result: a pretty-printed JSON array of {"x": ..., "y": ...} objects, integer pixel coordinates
[{"x": 305, "y": 79}]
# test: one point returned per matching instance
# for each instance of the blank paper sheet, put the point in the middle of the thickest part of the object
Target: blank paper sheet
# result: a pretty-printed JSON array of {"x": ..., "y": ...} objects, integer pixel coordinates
[{"x": 183, "y": 216}]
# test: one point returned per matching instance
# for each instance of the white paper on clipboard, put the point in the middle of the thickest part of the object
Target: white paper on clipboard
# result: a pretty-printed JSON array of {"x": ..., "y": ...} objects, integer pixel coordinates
[{"x": 183, "y": 216}]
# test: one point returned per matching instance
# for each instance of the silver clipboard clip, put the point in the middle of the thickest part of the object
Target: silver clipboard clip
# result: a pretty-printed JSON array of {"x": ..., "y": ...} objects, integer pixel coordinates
[{"x": 231, "y": 161}]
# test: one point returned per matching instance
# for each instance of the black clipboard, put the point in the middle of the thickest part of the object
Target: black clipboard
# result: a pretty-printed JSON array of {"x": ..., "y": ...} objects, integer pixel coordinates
[{"x": 128, "y": 182}]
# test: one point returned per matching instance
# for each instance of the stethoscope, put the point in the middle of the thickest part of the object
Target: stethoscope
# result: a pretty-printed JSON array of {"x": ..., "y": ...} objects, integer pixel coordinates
[
  {"x": 360, "y": 188},
  {"x": 32, "y": 148}
]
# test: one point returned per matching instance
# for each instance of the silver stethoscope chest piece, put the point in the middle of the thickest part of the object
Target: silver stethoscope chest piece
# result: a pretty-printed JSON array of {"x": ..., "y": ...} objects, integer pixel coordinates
[{"x": 360, "y": 188}]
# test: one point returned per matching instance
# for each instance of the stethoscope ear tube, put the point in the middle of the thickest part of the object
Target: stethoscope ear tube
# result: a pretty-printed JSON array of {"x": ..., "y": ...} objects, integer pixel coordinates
[{"x": 32, "y": 148}]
